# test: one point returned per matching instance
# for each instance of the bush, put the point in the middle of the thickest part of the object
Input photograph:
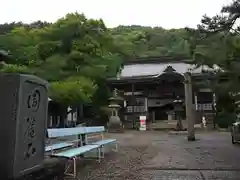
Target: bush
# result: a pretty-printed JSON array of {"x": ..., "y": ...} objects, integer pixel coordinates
[{"x": 225, "y": 119}]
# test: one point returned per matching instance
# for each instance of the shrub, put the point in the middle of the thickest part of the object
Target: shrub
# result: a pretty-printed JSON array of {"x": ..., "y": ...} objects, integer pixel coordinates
[{"x": 225, "y": 119}]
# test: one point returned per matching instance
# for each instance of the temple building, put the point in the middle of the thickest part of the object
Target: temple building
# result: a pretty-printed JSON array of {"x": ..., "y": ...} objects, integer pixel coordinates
[{"x": 151, "y": 85}]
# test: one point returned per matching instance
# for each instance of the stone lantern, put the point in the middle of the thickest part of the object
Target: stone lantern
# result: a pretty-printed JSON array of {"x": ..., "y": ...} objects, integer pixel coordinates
[
  {"x": 115, "y": 123},
  {"x": 178, "y": 108}
]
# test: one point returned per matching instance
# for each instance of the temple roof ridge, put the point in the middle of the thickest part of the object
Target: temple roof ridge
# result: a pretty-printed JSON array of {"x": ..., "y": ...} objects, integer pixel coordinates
[{"x": 154, "y": 67}]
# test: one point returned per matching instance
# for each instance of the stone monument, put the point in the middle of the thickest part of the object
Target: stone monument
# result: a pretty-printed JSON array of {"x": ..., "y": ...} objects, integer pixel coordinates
[
  {"x": 115, "y": 123},
  {"x": 23, "y": 111}
]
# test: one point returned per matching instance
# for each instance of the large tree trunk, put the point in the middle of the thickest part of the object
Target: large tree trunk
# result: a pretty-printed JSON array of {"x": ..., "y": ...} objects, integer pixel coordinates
[{"x": 189, "y": 106}]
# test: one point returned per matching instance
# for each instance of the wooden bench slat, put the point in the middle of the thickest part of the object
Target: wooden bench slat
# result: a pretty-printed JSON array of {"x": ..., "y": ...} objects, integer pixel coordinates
[
  {"x": 94, "y": 129},
  {"x": 57, "y": 146},
  {"x": 104, "y": 141},
  {"x": 76, "y": 151},
  {"x": 55, "y": 133}
]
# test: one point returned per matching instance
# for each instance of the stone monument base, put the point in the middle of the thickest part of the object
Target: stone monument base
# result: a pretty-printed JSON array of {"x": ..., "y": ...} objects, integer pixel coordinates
[
  {"x": 115, "y": 125},
  {"x": 116, "y": 130},
  {"x": 178, "y": 132},
  {"x": 52, "y": 168}
]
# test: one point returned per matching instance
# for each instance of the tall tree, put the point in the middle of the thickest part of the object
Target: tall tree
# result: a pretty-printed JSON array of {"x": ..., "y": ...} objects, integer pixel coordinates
[
  {"x": 75, "y": 54},
  {"x": 217, "y": 41}
]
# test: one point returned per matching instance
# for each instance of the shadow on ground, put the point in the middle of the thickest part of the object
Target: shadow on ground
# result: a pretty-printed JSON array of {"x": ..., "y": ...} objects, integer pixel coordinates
[{"x": 157, "y": 155}]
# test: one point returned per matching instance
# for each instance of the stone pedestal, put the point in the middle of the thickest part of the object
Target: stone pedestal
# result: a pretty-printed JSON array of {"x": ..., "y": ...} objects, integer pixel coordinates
[
  {"x": 170, "y": 117},
  {"x": 115, "y": 124}
]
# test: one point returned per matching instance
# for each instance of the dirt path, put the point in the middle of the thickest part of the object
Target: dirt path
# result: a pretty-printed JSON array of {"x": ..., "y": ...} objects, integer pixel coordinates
[
  {"x": 157, "y": 155},
  {"x": 135, "y": 149}
]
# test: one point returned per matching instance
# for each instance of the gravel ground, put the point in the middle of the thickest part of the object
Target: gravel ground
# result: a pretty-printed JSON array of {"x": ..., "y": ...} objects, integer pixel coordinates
[
  {"x": 134, "y": 151},
  {"x": 158, "y": 155}
]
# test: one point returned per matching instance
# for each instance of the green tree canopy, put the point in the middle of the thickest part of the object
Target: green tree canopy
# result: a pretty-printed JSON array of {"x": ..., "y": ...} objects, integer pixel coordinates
[
  {"x": 217, "y": 41},
  {"x": 74, "y": 54}
]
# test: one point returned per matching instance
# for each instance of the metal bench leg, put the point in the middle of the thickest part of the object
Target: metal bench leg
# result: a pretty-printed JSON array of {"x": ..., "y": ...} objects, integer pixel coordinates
[
  {"x": 99, "y": 154},
  {"x": 74, "y": 174},
  {"x": 116, "y": 147},
  {"x": 74, "y": 167},
  {"x": 103, "y": 151}
]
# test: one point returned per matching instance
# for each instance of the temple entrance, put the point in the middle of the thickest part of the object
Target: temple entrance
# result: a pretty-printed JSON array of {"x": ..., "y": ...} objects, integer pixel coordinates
[
  {"x": 161, "y": 112},
  {"x": 152, "y": 99}
]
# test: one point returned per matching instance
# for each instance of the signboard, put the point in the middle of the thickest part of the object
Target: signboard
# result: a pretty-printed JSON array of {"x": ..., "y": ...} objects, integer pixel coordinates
[{"x": 142, "y": 126}]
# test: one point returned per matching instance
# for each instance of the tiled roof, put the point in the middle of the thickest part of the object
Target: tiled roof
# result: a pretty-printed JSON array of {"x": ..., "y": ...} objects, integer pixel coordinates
[{"x": 149, "y": 69}]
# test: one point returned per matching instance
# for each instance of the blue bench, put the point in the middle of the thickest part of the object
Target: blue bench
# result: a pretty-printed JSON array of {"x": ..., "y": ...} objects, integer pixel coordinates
[
  {"x": 59, "y": 133},
  {"x": 76, "y": 146},
  {"x": 57, "y": 146},
  {"x": 101, "y": 142}
]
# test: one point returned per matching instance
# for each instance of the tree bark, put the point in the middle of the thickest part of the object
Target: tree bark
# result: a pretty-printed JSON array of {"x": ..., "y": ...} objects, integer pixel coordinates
[{"x": 189, "y": 106}]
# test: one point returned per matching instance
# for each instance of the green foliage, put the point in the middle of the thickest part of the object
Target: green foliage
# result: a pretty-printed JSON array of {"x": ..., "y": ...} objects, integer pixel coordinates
[
  {"x": 77, "y": 54},
  {"x": 73, "y": 90},
  {"x": 74, "y": 54},
  {"x": 148, "y": 41},
  {"x": 225, "y": 119},
  {"x": 11, "y": 68},
  {"x": 47, "y": 49},
  {"x": 217, "y": 41}
]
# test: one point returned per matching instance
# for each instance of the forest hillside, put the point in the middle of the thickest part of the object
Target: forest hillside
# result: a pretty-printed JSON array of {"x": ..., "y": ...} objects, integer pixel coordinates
[{"x": 77, "y": 54}]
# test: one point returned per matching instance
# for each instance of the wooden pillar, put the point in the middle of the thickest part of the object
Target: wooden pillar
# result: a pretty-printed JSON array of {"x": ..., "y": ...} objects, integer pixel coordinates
[
  {"x": 132, "y": 104},
  {"x": 214, "y": 110},
  {"x": 189, "y": 106},
  {"x": 50, "y": 121},
  {"x": 153, "y": 117},
  {"x": 133, "y": 93},
  {"x": 146, "y": 104},
  {"x": 214, "y": 101},
  {"x": 196, "y": 101}
]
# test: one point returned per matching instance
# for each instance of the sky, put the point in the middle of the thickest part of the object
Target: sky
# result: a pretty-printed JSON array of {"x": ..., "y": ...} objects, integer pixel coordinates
[{"x": 165, "y": 13}]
